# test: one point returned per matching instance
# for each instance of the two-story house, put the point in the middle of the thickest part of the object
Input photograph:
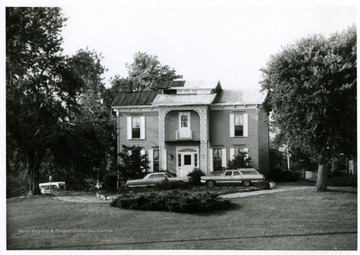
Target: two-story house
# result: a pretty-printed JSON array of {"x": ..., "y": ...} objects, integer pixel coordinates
[{"x": 194, "y": 124}]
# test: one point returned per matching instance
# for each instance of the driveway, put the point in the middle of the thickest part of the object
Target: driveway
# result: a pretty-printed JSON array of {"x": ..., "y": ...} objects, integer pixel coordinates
[{"x": 285, "y": 187}]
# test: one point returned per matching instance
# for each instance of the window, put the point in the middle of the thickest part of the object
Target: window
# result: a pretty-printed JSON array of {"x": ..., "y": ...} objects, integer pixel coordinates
[
  {"x": 187, "y": 160},
  {"x": 156, "y": 160},
  {"x": 184, "y": 120},
  {"x": 228, "y": 173},
  {"x": 195, "y": 163},
  {"x": 239, "y": 124},
  {"x": 136, "y": 127},
  {"x": 245, "y": 172},
  {"x": 217, "y": 159},
  {"x": 179, "y": 160},
  {"x": 236, "y": 173}
]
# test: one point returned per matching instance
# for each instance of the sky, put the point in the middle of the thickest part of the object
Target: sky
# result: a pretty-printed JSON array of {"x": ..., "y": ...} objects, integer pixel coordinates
[{"x": 224, "y": 40}]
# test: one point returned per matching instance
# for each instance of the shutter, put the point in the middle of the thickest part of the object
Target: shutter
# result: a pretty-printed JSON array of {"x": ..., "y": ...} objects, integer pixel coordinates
[
  {"x": 129, "y": 128},
  {"x": 142, "y": 127},
  {"x": 232, "y": 125},
  {"x": 246, "y": 125},
  {"x": 211, "y": 160},
  {"x": 164, "y": 163},
  {"x": 142, "y": 153},
  {"x": 151, "y": 160},
  {"x": 223, "y": 157},
  {"x": 232, "y": 153}
]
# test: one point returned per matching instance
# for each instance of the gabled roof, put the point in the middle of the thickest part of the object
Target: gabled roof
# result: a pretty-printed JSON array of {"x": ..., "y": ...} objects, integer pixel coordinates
[{"x": 135, "y": 98}]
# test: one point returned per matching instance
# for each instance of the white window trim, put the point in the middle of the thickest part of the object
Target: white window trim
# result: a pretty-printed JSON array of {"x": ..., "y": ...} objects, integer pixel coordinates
[
  {"x": 211, "y": 161},
  {"x": 142, "y": 128},
  {"x": 245, "y": 127},
  {"x": 223, "y": 157},
  {"x": 151, "y": 160}
]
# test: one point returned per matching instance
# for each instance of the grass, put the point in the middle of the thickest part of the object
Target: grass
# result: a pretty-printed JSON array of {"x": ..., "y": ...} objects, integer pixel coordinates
[{"x": 296, "y": 220}]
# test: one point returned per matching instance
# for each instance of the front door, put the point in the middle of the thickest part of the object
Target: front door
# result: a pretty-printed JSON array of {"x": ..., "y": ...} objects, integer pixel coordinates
[{"x": 187, "y": 160}]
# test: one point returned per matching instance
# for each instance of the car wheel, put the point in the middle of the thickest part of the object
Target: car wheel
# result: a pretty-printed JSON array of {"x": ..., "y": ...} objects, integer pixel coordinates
[
  {"x": 246, "y": 183},
  {"x": 210, "y": 184}
]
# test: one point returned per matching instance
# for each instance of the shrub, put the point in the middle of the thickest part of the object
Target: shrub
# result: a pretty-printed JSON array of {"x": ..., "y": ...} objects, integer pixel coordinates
[
  {"x": 110, "y": 182},
  {"x": 263, "y": 185},
  {"x": 167, "y": 185},
  {"x": 196, "y": 175},
  {"x": 173, "y": 201},
  {"x": 240, "y": 161}
]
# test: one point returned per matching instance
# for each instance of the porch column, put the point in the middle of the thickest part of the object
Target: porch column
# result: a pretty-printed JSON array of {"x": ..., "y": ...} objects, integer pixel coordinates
[
  {"x": 204, "y": 138},
  {"x": 162, "y": 158}
]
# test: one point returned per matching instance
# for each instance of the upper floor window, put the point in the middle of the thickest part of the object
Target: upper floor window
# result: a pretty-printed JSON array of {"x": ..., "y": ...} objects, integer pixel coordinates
[
  {"x": 239, "y": 124},
  {"x": 184, "y": 120},
  {"x": 136, "y": 127}
]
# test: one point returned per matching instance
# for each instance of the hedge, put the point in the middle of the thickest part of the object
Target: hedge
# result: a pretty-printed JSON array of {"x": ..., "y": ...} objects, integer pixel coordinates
[{"x": 172, "y": 201}]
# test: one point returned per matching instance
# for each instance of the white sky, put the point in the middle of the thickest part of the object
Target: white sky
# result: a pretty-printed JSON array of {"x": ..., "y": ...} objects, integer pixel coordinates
[{"x": 203, "y": 40}]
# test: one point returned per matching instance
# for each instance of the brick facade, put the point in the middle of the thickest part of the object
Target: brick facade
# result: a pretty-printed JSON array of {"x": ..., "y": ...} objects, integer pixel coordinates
[{"x": 209, "y": 132}]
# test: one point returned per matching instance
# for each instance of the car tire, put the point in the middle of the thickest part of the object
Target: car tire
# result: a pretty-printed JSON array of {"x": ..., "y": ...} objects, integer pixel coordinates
[
  {"x": 210, "y": 184},
  {"x": 246, "y": 183}
]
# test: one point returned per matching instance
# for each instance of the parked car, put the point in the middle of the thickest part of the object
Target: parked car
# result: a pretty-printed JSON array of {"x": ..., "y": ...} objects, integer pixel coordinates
[
  {"x": 154, "y": 178},
  {"x": 45, "y": 187},
  {"x": 244, "y": 176}
]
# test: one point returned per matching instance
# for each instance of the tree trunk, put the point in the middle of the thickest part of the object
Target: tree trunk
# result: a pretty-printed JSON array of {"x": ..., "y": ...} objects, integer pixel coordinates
[
  {"x": 34, "y": 162},
  {"x": 321, "y": 182}
]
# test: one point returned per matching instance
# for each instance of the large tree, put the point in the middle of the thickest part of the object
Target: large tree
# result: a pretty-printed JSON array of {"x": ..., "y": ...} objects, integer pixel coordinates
[
  {"x": 146, "y": 72},
  {"x": 312, "y": 92},
  {"x": 84, "y": 146},
  {"x": 41, "y": 88}
]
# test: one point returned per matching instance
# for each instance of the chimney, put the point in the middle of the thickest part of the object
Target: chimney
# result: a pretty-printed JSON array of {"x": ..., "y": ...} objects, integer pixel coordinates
[{"x": 126, "y": 85}]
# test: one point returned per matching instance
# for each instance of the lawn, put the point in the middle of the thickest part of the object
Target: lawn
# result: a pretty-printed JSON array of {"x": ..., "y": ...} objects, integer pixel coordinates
[{"x": 295, "y": 220}]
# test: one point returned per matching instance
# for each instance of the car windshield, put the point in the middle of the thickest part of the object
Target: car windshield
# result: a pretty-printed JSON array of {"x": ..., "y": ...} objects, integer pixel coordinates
[{"x": 249, "y": 172}]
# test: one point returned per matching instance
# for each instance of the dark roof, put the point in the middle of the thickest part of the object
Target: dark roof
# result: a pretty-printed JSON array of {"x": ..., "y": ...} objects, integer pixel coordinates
[
  {"x": 169, "y": 84},
  {"x": 135, "y": 98}
]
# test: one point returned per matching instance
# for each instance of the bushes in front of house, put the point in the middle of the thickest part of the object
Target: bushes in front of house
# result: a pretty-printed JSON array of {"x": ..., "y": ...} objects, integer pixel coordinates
[
  {"x": 172, "y": 201},
  {"x": 196, "y": 176}
]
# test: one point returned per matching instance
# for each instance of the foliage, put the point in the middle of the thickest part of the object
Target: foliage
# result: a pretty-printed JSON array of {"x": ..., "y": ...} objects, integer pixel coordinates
[
  {"x": 173, "y": 201},
  {"x": 263, "y": 185},
  {"x": 40, "y": 86},
  {"x": 84, "y": 146},
  {"x": 56, "y": 116},
  {"x": 133, "y": 164},
  {"x": 196, "y": 176},
  {"x": 167, "y": 185},
  {"x": 110, "y": 182},
  {"x": 146, "y": 72},
  {"x": 312, "y": 92},
  {"x": 241, "y": 160}
]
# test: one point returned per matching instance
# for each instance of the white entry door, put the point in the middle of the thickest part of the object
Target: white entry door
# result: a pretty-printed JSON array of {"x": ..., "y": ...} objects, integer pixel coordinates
[{"x": 187, "y": 160}]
